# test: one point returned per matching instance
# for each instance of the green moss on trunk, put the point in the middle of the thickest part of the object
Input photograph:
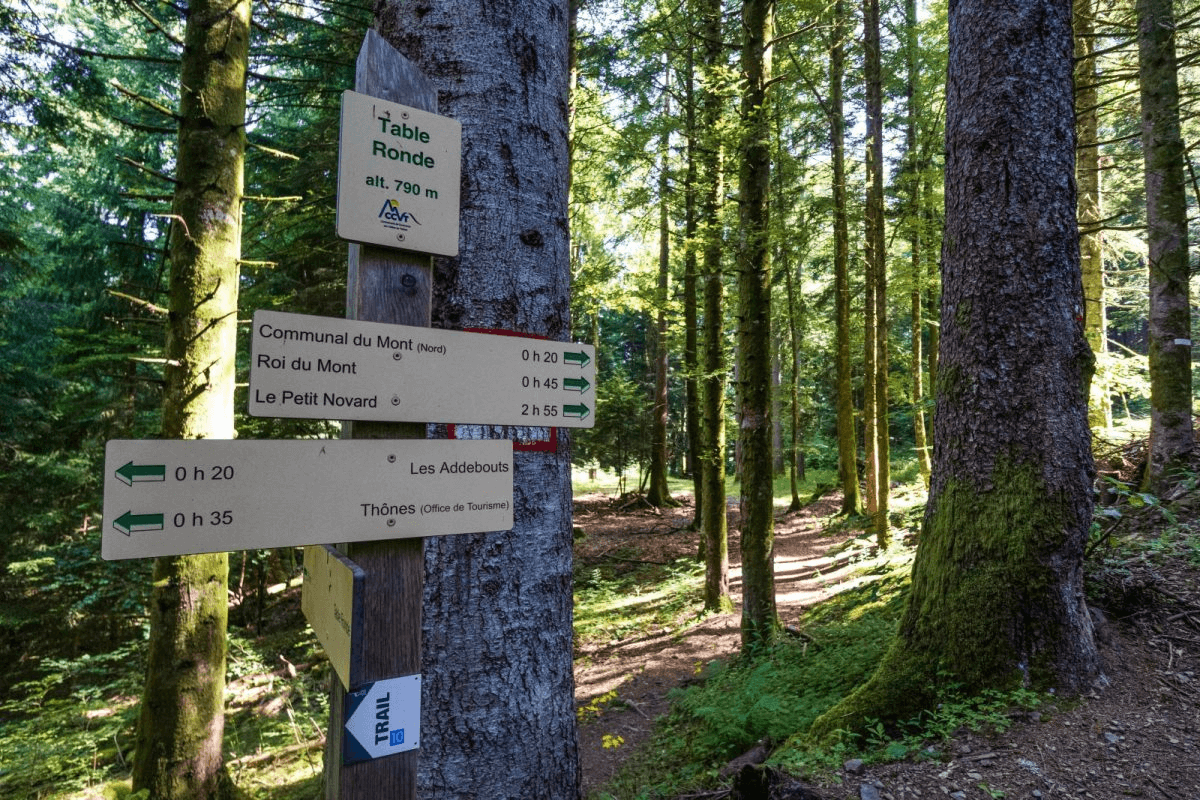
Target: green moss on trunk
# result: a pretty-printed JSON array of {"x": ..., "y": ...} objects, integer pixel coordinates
[
  {"x": 987, "y": 608},
  {"x": 712, "y": 452},
  {"x": 180, "y": 730},
  {"x": 759, "y": 617},
  {"x": 852, "y": 499},
  {"x": 1170, "y": 346}
]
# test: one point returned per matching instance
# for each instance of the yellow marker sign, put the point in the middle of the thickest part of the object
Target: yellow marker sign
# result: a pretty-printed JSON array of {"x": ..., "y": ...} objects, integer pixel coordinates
[{"x": 332, "y": 606}]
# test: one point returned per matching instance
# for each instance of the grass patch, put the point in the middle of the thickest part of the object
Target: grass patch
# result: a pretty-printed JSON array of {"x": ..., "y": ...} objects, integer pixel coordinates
[
  {"x": 71, "y": 732},
  {"x": 616, "y": 600},
  {"x": 71, "y": 728},
  {"x": 919, "y": 737},
  {"x": 606, "y": 483},
  {"x": 776, "y": 694}
]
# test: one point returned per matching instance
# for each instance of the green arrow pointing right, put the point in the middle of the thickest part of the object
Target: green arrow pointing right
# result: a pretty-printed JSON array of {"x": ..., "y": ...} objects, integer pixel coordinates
[
  {"x": 579, "y": 358},
  {"x": 580, "y": 411},
  {"x": 580, "y": 385},
  {"x": 137, "y": 473},
  {"x": 130, "y": 522}
]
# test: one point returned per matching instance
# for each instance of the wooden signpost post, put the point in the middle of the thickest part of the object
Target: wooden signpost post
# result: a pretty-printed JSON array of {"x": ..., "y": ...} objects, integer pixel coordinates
[{"x": 396, "y": 286}]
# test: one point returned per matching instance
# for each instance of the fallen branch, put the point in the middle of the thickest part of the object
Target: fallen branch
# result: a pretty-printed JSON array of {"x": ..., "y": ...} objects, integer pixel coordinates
[
  {"x": 639, "y": 561},
  {"x": 271, "y": 755},
  {"x": 1187, "y": 601},
  {"x": 632, "y": 705}
]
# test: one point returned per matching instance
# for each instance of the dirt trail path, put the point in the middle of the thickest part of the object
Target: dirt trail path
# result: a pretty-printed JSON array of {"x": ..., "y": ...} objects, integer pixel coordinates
[
  {"x": 1136, "y": 735},
  {"x": 809, "y": 567}
]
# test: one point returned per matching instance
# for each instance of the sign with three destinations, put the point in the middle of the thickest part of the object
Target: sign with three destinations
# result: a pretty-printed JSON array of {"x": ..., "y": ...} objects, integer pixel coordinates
[
  {"x": 171, "y": 497},
  {"x": 326, "y": 368}
]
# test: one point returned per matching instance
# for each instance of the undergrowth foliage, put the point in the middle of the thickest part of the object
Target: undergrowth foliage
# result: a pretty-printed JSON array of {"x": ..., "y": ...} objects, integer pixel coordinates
[{"x": 774, "y": 695}]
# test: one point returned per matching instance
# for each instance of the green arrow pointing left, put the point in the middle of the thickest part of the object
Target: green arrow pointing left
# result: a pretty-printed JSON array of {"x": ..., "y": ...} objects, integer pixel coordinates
[
  {"x": 130, "y": 522},
  {"x": 136, "y": 473}
]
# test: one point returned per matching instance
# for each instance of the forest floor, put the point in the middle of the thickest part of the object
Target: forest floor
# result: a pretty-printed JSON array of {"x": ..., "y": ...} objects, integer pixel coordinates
[{"x": 1137, "y": 734}]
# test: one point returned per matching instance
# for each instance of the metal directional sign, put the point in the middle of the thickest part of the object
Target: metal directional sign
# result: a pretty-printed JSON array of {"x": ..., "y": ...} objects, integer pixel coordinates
[
  {"x": 382, "y": 719},
  {"x": 233, "y": 494},
  {"x": 326, "y": 368},
  {"x": 398, "y": 176},
  {"x": 332, "y": 601}
]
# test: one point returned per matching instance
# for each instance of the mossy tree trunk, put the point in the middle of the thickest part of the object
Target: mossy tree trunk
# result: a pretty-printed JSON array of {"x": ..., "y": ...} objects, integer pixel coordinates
[
  {"x": 852, "y": 499},
  {"x": 182, "y": 720},
  {"x": 691, "y": 311},
  {"x": 997, "y": 586},
  {"x": 1166, "y": 233},
  {"x": 759, "y": 618},
  {"x": 917, "y": 163},
  {"x": 794, "y": 311},
  {"x": 657, "y": 493},
  {"x": 1091, "y": 237},
  {"x": 712, "y": 453},
  {"x": 876, "y": 335},
  {"x": 777, "y": 448}
]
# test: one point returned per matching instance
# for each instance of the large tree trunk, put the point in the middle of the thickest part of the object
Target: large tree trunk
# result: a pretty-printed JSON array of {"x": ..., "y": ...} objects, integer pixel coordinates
[
  {"x": 852, "y": 499},
  {"x": 876, "y": 335},
  {"x": 182, "y": 718},
  {"x": 997, "y": 587},
  {"x": 712, "y": 458},
  {"x": 1087, "y": 176},
  {"x": 759, "y": 618},
  {"x": 1166, "y": 222},
  {"x": 497, "y": 715}
]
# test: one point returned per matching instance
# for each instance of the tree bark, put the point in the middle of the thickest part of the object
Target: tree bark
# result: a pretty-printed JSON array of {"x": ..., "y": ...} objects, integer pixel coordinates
[
  {"x": 759, "y": 618},
  {"x": 182, "y": 719},
  {"x": 777, "y": 448},
  {"x": 916, "y": 169},
  {"x": 876, "y": 334},
  {"x": 997, "y": 587},
  {"x": 1166, "y": 233},
  {"x": 497, "y": 692},
  {"x": 796, "y": 464},
  {"x": 691, "y": 311},
  {"x": 852, "y": 499},
  {"x": 712, "y": 459},
  {"x": 1091, "y": 238},
  {"x": 657, "y": 493}
]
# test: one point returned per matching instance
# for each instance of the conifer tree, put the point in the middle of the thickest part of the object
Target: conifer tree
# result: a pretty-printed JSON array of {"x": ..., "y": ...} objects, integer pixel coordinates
[
  {"x": 179, "y": 743},
  {"x": 1167, "y": 240},
  {"x": 997, "y": 586},
  {"x": 759, "y": 618}
]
